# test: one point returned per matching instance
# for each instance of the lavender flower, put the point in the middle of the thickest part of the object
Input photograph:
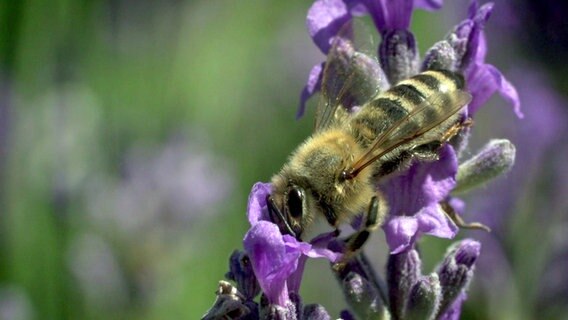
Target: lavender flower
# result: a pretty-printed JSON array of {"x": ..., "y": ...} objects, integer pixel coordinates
[{"x": 414, "y": 195}]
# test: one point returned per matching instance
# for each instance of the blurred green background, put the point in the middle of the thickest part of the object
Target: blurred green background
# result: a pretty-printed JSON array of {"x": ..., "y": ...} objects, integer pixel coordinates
[{"x": 131, "y": 133}]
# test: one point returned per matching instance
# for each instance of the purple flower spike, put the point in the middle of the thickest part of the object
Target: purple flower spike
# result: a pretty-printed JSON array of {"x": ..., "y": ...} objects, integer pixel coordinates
[
  {"x": 468, "y": 42},
  {"x": 456, "y": 271},
  {"x": 414, "y": 198}
]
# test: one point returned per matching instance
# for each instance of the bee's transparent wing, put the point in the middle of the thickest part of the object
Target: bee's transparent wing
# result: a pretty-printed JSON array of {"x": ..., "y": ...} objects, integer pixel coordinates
[
  {"x": 429, "y": 114},
  {"x": 352, "y": 75}
]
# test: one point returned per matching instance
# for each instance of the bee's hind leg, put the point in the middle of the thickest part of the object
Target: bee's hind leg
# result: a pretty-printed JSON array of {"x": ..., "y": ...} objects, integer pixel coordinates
[
  {"x": 356, "y": 241},
  {"x": 429, "y": 151},
  {"x": 458, "y": 220}
]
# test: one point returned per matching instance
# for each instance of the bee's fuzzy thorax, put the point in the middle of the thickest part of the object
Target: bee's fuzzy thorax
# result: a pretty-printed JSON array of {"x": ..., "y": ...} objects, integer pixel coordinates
[{"x": 316, "y": 166}]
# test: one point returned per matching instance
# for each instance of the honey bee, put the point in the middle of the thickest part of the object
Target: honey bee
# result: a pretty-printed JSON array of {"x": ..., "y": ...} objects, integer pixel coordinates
[{"x": 334, "y": 173}]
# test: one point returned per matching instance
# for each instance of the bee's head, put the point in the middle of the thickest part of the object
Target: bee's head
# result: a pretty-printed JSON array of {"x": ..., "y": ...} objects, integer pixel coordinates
[{"x": 289, "y": 209}]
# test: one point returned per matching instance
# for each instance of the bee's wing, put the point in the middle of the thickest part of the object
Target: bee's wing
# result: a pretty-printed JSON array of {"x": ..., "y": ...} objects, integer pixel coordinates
[
  {"x": 429, "y": 114},
  {"x": 352, "y": 74}
]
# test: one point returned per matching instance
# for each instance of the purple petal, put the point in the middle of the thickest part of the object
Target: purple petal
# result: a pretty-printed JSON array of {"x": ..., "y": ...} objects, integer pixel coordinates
[
  {"x": 429, "y": 5},
  {"x": 457, "y": 204},
  {"x": 278, "y": 260},
  {"x": 468, "y": 39},
  {"x": 476, "y": 43},
  {"x": 312, "y": 86},
  {"x": 308, "y": 250},
  {"x": 433, "y": 221},
  {"x": 423, "y": 184},
  {"x": 325, "y": 19},
  {"x": 506, "y": 90},
  {"x": 272, "y": 262},
  {"x": 483, "y": 81},
  {"x": 256, "y": 208},
  {"x": 481, "y": 14},
  {"x": 400, "y": 232},
  {"x": 390, "y": 15}
]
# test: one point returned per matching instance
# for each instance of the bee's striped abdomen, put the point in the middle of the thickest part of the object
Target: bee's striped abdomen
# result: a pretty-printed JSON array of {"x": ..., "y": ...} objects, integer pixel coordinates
[{"x": 396, "y": 103}]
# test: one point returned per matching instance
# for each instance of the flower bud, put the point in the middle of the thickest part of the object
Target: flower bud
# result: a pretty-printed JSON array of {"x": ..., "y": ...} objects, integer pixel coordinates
[
  {"x": 494, "y": 159},
  {"x": 398, "y": 55},
  {"x": 403, "y": 271},
  {"x": 424, "y": 299},
  {"x": 440, "y": 57},
  {"x": 456, "y": 271},
  {"x": 362, "y": 296},
  {"x": 240, "y": 271}
]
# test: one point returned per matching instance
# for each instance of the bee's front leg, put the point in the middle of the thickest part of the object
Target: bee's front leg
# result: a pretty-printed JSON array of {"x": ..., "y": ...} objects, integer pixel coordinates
[{"x": 355, "y": 242}]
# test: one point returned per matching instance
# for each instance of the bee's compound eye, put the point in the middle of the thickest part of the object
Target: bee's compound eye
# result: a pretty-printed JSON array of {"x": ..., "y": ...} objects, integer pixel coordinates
[{"x": 295, "y": 202}]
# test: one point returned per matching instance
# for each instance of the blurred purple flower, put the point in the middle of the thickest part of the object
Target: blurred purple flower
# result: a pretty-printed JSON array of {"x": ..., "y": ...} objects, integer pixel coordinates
[
  {"x": 278, "y": 260},
  {"x": 15, "y": 303},
  {"x": 414, "y": 198},
  {"x": 97, "y": 272},
  {"x": 158, "y": 190}
]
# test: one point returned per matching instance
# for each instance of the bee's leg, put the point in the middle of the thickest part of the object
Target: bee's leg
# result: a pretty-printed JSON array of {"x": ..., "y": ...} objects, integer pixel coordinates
[
  {"x": 402, "y": 161},
  {"x": 427, "y": 151},
  {"x": 455, "y": 129},
  {"x": 356, "y": 241},
  {"x": 458, "y": 220}
]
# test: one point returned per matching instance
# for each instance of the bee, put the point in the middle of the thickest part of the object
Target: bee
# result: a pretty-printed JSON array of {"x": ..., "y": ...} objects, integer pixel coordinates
[{"x": 334, "y": 173}]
